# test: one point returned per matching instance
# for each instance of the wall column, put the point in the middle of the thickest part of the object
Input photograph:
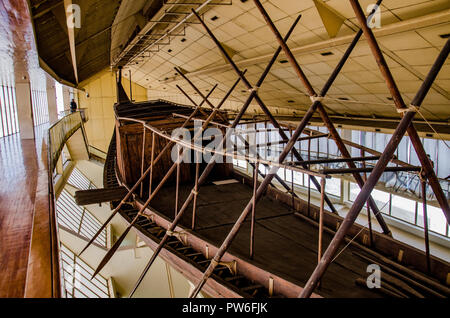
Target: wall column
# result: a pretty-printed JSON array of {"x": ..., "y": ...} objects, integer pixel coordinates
[
  {"x": 24, "y": 107},
  {"x": 51, "y": 101},
  {"x": 66, "y": 97}
]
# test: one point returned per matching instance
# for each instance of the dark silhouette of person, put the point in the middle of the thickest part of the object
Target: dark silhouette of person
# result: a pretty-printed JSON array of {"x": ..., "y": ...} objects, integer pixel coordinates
[{"x": 73, "y": 106}]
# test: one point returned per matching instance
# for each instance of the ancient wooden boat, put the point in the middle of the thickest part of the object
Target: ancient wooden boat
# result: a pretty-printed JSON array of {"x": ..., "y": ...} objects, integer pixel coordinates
[{"x": 283, "y": 237}]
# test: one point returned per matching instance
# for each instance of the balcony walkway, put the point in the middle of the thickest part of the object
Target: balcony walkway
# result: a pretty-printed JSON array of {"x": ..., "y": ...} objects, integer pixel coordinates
[{"x": 20, "y": 163}]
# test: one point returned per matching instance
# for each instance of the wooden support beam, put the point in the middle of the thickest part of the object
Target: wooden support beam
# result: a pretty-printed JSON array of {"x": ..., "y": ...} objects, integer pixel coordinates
[
  {"x": 264, "y": 108},
  {"x": 425, "y": 222},
  {"x": 401, "y": 107},
  {"x": 337, "y": 160},
  {"x": 96, "y": 196},
  {"x": 320, "y": 108},
  {"x": 364, "y": 170},
  {"x": 402, "y": 128}
]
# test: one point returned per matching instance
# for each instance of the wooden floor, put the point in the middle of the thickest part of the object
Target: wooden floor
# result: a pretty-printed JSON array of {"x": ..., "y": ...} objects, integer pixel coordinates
[
  {"x": 284, "y": 244},
  {"x": 19, "y": 167}
]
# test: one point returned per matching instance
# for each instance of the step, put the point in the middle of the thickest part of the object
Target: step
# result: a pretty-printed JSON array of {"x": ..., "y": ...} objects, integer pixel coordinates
[
  {"x": 234, "y": 278},
  {"x": 252, "y": 287},
  {"x": 194, "y": 254}
]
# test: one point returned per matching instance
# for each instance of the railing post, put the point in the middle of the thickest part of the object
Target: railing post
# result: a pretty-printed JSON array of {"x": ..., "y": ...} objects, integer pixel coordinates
[
  {"x": 197, "y": 172},
  {"x": 369, "y": 217},
  {"x": 252, "y": 227},
  {"x": 322, "y": 199},
  {"x": 177, "y": 186},
  {"x": 143, "y": 156},
  {"x": 152, "y": 165},
  {"x": 423, "y": 182},
  {"x": 309, "y": 179}
]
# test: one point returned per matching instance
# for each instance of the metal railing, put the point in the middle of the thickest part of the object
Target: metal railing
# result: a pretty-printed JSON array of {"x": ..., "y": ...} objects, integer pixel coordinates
[
  {"x": 58, "y": 134},
  {"x": 76, "y": 276},
  {"x": 80, "y": 181},
  {"x": 82, "y": 111},
  {"x": 78, "y": 219}
]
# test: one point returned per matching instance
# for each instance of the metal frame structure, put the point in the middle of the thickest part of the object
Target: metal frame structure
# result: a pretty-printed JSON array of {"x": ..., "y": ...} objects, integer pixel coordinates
[
  {"x": 148, "y": 42},
  {"x": 364, "y": 181}
]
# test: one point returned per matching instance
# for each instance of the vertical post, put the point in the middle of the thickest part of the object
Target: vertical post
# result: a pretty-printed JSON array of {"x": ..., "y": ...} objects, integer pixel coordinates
[
  {"x": 309, "y": 179},
  {"x": 152, "y": 161},
  {"x": 252, "y": 228},
  {"x": 66, "y": 97},
  {"x": 322, "y": 199},
  {"x": 425, "y": 222},
  {"x": 177, "y": 187},
  {"x": 292, "y": 175},
  {"x": 51, "y": 100},
  {"x": 369, "y": 217},
  {"x": 1, "y": 116},
  {"x": 131, "y": 87},
  {"x": 7, "y": 111},
  {"x": 144, "y": 135},
  {"x": 197, "y": 172}
]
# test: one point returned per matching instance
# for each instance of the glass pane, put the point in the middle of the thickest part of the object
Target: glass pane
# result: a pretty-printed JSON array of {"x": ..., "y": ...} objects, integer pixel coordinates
[
  {"x": 436, "y": 219},
  {"x": 354, "y": 191},
  {"x": 333, "y": 186},
  {"x": 403, "y": 209},
  {"x": 298, "y": 178},
  {"x": 381, "y": 199}
]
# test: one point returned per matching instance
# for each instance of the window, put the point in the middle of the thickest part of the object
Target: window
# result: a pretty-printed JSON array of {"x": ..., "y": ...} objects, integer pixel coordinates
[
  {"x": 242, "y": 164},
  {"x": 9, "y": 123},
  {"x": 78, "y": 180},
  {"x": 382, "y": 200},
  {"x": 76, "y": 277},
  {"x": 396, "y": 206},
  {"x": 298, "y": 178},
  {"x": 353, "y": 191},
  {"x": 77, "y": 219},
  {"x": 59, "y": 97},
  {"x": 333, "y": 186},
  {"x": 436, "y": 219},
  {"x": 40, "y": 107},
  {"x": 403, "y": 209}
]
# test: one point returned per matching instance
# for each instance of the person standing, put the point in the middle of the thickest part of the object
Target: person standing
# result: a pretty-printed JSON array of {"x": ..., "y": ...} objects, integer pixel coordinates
[{"x": 73, "y": 106}]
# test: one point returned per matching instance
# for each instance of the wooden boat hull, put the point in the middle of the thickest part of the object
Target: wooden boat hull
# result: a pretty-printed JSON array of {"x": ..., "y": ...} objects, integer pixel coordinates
[{"x": 288, "y": 240}]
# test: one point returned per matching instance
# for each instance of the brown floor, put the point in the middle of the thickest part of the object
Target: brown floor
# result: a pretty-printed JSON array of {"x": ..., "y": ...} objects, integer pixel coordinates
[{"x": 18, "y": 180}]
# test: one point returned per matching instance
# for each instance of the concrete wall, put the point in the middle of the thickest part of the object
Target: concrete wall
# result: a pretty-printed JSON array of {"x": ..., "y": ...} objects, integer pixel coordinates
[
  {"x": 101, "y": 90},
  {"x": 24, "y": 109},
  {"x": 51, "y": 100}
]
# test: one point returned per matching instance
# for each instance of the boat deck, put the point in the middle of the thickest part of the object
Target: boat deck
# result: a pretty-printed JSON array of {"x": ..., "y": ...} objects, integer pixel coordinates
[{"x": 285, "y": 244}]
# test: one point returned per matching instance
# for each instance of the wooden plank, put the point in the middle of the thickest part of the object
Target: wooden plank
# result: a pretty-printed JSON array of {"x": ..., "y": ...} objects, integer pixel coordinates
[
  {"x": 18, "y": 180},
  {"x": 95, "y": 196}
]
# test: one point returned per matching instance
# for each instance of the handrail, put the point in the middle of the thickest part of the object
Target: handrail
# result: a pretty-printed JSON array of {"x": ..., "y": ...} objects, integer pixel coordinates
[
  {"x": 54, "y": 239},
  {"x": 225, "y": 152},
  {"x": 58, "y": 134}
]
